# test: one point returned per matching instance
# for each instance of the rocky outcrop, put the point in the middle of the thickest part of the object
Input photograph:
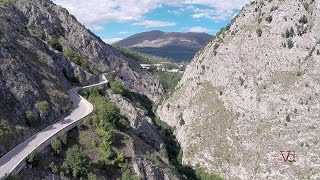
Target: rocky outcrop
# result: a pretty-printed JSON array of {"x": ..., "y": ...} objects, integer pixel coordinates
[
  {"x": 55, "y": 22},
  {"x": 149, "y": 156},
  {"x": 32, "y": 68},
  {"x": 140, "y": 122},
  {"x": 30, "y": 72},
  {"x": 150, "y": 164},
  {"x": 149, "y": 170},
  {"x": 247, "y": 106}
]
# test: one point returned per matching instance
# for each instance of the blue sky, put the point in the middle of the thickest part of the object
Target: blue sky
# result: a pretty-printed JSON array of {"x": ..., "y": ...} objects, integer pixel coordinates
[{"x": 117, "y": 19}]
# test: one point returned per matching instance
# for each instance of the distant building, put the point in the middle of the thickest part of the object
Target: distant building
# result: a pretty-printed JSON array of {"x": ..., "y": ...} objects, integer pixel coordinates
[{"x": 159, "y": 67}]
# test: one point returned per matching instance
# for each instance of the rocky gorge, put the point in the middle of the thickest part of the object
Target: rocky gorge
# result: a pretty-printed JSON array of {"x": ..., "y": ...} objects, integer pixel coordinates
[{"x": 44, "y": 51}]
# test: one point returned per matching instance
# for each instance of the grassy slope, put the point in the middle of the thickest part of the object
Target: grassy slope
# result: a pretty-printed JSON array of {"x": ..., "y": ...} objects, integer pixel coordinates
[
  {"x": 143, "y": 58},
  {"x": 88, "y": 137}
]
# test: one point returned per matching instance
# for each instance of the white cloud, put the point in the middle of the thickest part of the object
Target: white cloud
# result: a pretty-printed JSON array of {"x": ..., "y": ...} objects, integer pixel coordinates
[
  {"x": 220, "y": 4},
  {"x": 153, "y": 24},
  {"x": 190, "y": 7},
  {"x": 123, "y": 32},
  {"x": 175, "y": 12},
  {"x": 199, "y": 29},
  {"x": 217, "y": 9},
  {"x": 99, "y": 12},
  {"x": 213, "y": 14},
  {"x": 96, "y": 13},
  {"x": 112, "y": 40},
  {"x": 96, "y": 27}
]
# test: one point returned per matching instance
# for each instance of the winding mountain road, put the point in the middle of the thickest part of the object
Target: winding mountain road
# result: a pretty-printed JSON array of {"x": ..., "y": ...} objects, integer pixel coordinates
[{"x": 14, "y": 160}]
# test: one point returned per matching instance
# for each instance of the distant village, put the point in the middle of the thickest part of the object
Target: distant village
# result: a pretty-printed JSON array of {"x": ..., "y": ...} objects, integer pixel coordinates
[{"x": 163, "y": 67}]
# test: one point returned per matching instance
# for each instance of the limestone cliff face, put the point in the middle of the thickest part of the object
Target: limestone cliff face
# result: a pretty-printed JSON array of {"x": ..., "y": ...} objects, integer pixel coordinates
[
  {"x": 252, "y": 93},
  {"x": 140, "y": 122},
  {"x": 149, "y": 156},
  {"x": 32, "y": 71},
  {"x": 56, "y": 22}
]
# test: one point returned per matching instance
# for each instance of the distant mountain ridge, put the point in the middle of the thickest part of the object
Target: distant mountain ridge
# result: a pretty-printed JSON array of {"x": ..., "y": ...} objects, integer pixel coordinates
[{"x": 175, "y": 45}]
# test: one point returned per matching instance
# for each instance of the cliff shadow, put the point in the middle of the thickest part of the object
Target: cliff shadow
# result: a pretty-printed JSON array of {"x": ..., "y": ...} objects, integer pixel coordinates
[{"x": 141, "y": 101}]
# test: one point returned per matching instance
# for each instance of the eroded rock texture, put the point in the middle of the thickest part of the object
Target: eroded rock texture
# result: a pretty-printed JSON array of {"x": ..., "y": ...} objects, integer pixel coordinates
[{"x": 252, "y": 93}]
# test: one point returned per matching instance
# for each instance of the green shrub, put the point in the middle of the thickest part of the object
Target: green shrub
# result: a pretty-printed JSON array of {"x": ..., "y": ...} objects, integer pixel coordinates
[
  {"x": 30, "y": 118},
  {"x": 299, "y": 73},
  {"x": 290, "y": 33},
  {"x": 274, "y": 8},
  {"x": 287, "y": 34},
  {"x": 80, "y": 126},
  {"x": 56, "y": 145},
  {"x": 74, "y": 78},
  {"x": 306, "y": 6},
  {"x": 32, "y": 159},
  {"x": 126, "y": 174},
  {"x": 106, "y": 112},
  {"x": 259, "y": 32},
  {"x": 187, "y": 171},
  {"x": 181, "y": 120},
  {"x": 269, "y": 19},
  {"x": 92, "y": 176},
  {"x": 55, "y": 44},
  {"x": 120, "y": 160},
  {"x": 4, "y": 43},
  {"x": 122, "y": 123},
  {"x": 94, "y": 144},
  {"x": 216, "y": 46},
  {"x": 203, "y": 67},
  {"x": 53, "y": 167},
  {"x": 202, "y": 175},
  {"x": 75, "y": 162},
  {"x": 48, "y": 7},
  {"x": 303, "y": 19},
  {"x": 40, "y": 33},
  {"x": 288, "y": 118},
  {"x": 241, "y": 81},
  {"x": 103, "y": 132},
  {"x": 7, "y": 2},
  {"x": 301, "y": 30},
  {"x": 77, "y": 59},
  {"x": 117, "y": 86},
  {"x": 94, "y": 92},
  {"x": 290, "y": 43},
  {"x": 43, "y": 107},
  {"x": 106, "y": 152},
  {"x": 64, "y": 139}
]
